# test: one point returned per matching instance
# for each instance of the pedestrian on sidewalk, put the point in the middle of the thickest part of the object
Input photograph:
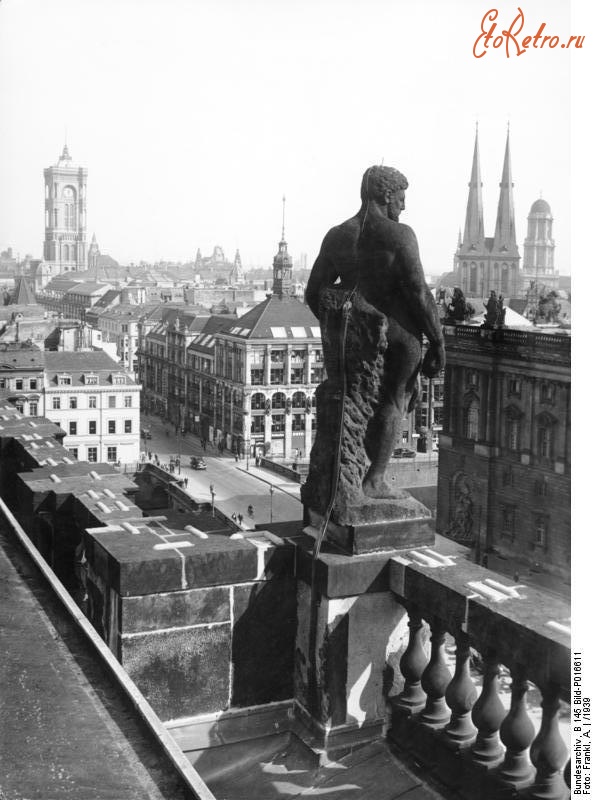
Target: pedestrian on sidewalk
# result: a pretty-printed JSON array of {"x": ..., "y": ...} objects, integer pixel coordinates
[
  {"x": 185, "y": 480},
  {"x": 240, "y": 518},
  {"x": 149, "y": 456},
  {"x": 234, "y": 517}
]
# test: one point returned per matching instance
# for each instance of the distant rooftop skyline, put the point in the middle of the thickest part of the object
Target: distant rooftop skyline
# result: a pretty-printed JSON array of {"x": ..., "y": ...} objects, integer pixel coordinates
[{"x": 194, "y": 120}]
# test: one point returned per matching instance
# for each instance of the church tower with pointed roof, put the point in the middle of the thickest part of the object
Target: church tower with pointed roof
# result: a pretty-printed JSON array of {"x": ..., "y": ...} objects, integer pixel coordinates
[
  {"x": 237, "y": 275},
  {"x": 282, "y": 265},
  {"x": 64, "y": 248},
  {"x": 486, "y": 263}
]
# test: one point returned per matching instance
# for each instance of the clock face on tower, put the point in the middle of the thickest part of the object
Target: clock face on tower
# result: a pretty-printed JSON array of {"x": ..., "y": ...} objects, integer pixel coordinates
[{"x": 68, "y": 191}]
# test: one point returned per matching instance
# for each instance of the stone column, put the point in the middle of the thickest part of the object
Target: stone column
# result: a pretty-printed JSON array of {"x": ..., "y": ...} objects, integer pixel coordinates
[{"x": 346, "y": 650}]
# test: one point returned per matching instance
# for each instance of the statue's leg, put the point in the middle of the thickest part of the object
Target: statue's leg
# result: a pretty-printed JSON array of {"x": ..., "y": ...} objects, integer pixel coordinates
[{"x": 402, "y": 363}]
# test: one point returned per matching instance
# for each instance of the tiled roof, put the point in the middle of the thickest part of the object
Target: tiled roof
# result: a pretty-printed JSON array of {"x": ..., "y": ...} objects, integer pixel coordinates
[
  {"x": 89, "y": 288},
  {"x": 276, "y": 318},
  {"x": 21, "y": 358},
  {"x": 108, "y": 298},
  {"x": 23, "y": 295},
  {"x": 204, "y": 342},
  {"x": 75, "y": 364}
]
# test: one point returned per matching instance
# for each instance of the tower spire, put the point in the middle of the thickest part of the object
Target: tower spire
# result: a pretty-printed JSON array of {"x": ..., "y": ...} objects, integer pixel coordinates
[
  {"x": 283, "y": 210},
  {"x": 505, "y": 239},
  {"x": 473, "y": 234},
  {"x": 282, "y": 264}
]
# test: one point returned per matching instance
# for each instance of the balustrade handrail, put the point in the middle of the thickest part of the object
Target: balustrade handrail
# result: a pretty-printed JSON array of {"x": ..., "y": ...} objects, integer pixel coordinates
[
  {"x": 511, "y": 625},
  {"x": 545, "y": 341}
]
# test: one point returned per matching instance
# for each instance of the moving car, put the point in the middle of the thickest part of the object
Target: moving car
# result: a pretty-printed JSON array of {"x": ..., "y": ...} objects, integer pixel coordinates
[
  {"x": 197, "y": 462},
  {"x": 401, "y": 452},
  {"x": 146, "y": 434}
]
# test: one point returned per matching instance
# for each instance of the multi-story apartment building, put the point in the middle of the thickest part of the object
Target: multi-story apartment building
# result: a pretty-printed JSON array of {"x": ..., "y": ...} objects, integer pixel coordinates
[
  {"x": 22, "y": 369},
  {"x": 504, "y": 453},
  {"x": 97, "y": 403},
  {"x": 119, "y": 325},
  {"x": 252, "y": 380},
  {"x": 249, "y": 382}
]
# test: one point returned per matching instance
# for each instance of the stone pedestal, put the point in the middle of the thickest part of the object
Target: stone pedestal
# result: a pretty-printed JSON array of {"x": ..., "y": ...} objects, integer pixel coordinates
[
  {"x": 347, "y": 649},
  {"x": 376, "y": 525}
]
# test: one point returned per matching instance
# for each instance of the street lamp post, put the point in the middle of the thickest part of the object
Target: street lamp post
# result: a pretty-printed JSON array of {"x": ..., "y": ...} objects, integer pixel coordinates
[
  {"x": 247, "y": 453},
  {"x": 213, "y": 494},
  {"x": 271, "y": 505}
]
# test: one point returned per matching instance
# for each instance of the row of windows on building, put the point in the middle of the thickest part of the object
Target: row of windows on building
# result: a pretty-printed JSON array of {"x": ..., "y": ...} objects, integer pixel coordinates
[
  {"x": 298, "y": 423},
  {"x": 21, "y": 384},
  {"x": 544, "y": 434},
  {"x": 539, "y": 528},
  {"x": 73, "y": 401},
  {"x": 92, "y": 426},
  {"x": 541, "y": 487},
  {"x": 546, "y": 389},
  {"x": 277, "y": 375},
  {"x": 69, "y": 217},
  {"x": 92, "y": 453},
  {"x": 473, "y": 276}
]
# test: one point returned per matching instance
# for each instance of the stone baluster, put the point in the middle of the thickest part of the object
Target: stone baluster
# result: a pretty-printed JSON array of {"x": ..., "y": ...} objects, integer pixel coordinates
[
  {"x": 517, "y": 733},
  {"x": 548, "y": 751},
  {"x": 435, "y": 679},
  {"x": 568, "y": 773},
  {"x": 460, "y": 696},
  {"x": 412, "y": 665},
  {"x": 488, "y": 714}
]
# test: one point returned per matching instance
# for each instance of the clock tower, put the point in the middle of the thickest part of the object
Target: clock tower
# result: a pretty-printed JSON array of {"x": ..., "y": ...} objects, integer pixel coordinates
[
  {"x": 282, "y": 267},
  {"x": 64, "y": 248}
]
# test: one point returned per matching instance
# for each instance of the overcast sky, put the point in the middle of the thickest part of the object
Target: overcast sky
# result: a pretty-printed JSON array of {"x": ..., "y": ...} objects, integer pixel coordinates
[{"x": 194, "y": 118}]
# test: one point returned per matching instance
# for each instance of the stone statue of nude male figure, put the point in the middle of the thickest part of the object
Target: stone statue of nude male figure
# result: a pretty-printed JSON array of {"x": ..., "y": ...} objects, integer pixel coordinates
[{"x": 377, "y": 255}]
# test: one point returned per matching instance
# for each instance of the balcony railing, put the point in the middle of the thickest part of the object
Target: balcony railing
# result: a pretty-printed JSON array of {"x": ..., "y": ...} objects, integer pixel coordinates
[{"x": 457, "y": 724}]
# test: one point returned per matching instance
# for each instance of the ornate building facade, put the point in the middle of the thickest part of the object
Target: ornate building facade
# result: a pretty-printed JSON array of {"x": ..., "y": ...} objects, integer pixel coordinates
[
  {"x": 504, "y": 453},
  {"x": 486, "y": 263},
  {"x": 64, "y": 248}
]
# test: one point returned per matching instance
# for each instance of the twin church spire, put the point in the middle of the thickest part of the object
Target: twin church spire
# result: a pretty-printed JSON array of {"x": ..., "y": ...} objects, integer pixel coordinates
[
  {"x": 485, "y": 263},
  {"x": 505, "y": 237}
]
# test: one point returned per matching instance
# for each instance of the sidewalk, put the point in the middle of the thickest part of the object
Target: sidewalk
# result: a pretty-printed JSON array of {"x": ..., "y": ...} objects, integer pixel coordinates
[{"x": 272, "y": 479}]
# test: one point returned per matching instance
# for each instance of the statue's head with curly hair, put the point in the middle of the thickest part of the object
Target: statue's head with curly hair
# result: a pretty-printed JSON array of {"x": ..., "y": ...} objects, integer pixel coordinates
[{"x": 378, "y": 181}]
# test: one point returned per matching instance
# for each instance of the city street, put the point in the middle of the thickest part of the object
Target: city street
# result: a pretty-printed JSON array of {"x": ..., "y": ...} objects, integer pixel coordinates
[{"x": 235, "y": 488}]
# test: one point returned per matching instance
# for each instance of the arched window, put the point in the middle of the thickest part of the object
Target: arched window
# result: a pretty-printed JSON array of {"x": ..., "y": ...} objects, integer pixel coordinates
[
  {"x": 278, "y": 400},
  {"x": 299, "y": 400},
  {"x": 473, "y": 278},
  {"x": 513, "y": 428},
  {"x": 471, "y": 420},
  {"x": 545, "y": 436},
  {"x": 258, "y": 402}
]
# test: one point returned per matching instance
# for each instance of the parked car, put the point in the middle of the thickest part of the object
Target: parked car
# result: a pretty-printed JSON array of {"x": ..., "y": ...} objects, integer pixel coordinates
[
  {"x": 401, "y": 452},
  {"x": 197, "y": 462}
]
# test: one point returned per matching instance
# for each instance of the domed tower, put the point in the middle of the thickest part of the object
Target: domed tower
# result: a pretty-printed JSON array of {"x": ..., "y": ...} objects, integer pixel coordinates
[
  {"x": 282, "y": 265},
  {"x": 538, "y": 248},
  {"x": 64, "y": 248}
]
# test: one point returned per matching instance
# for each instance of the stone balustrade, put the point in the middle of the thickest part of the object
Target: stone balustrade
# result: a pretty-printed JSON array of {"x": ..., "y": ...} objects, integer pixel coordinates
[{"x": 457, "y": 729}]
